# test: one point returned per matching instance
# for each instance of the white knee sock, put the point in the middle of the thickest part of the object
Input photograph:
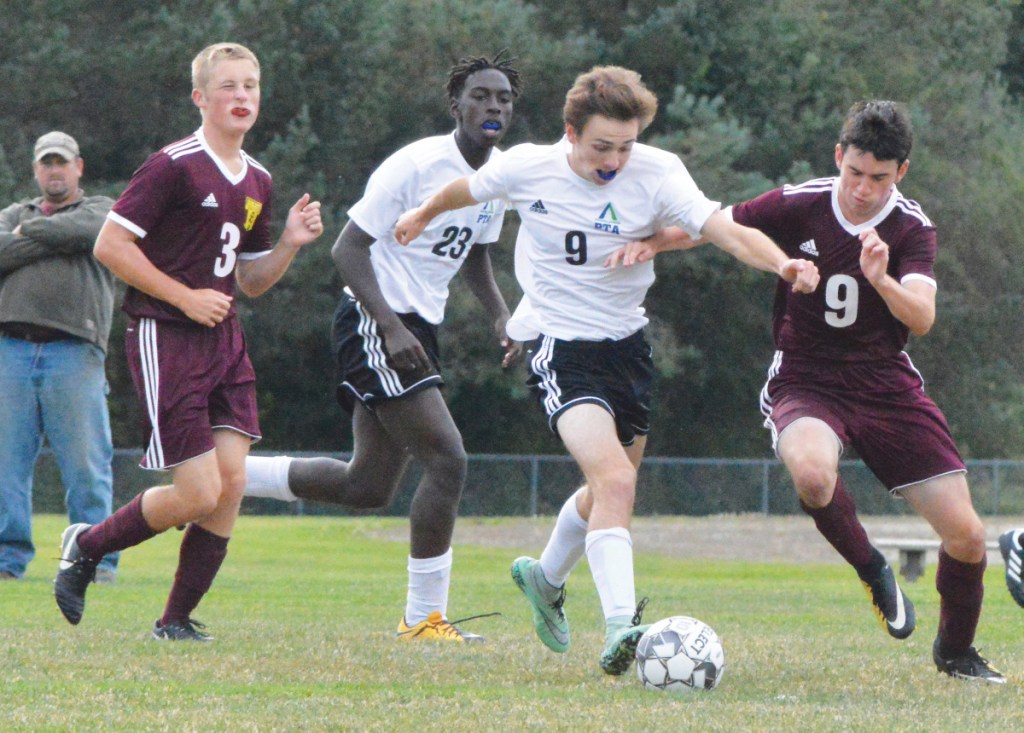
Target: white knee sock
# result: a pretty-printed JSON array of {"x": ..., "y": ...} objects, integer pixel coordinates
[
  {"x": 429, "y": 578},
  {"x": 610, "y": 554},
  {"x": 267, "y": 478},
  {"x": 566, "y": 545}
]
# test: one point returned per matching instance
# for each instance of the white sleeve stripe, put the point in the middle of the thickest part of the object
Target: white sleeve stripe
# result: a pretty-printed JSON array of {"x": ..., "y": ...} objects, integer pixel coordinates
[
  {"x": 130, "y": 226},
  {"x": 918, "y": 276},
  {"x": 253, "y": 255}
]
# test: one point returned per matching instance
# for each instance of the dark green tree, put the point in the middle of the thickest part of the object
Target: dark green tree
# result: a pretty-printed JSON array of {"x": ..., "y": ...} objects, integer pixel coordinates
[{"x": 752, "y": 95}]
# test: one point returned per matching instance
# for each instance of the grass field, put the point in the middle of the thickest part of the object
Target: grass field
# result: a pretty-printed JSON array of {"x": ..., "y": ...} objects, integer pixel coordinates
[{"x": 304, "y": 612}]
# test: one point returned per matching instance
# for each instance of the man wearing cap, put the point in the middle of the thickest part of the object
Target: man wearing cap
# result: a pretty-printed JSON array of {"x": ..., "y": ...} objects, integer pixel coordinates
[{"x": 56, "y": 305}]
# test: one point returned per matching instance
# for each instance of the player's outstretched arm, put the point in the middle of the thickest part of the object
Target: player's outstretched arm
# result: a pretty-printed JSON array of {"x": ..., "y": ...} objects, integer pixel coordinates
[
  {"x": 912, "y": 303},
  {"x": 754, "y": 248},
  {"x": 663, "y": 240},
  {"x": 303, "y": 225},
  {"x": 116, "y": 248},
  {"x": 453, "y": 196}
]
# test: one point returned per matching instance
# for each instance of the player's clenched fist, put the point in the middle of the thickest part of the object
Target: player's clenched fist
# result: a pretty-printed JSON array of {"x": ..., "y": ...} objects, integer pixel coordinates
[{"x": 410, "y": 225}]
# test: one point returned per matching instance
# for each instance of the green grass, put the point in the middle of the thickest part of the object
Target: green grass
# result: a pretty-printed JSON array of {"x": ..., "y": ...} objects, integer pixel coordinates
[{"x": 305, "y": 609}]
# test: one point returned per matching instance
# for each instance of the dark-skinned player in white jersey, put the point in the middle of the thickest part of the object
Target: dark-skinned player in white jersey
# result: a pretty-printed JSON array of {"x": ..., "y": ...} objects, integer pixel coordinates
[
  {"x": 385, "y": 342},
  {"x": 840, "y": 375},
  {"x": 193, "y": 222}
]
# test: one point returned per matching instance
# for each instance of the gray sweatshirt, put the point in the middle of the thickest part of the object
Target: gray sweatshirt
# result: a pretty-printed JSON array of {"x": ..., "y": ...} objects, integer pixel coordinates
[{"x": 48, "y": 275}]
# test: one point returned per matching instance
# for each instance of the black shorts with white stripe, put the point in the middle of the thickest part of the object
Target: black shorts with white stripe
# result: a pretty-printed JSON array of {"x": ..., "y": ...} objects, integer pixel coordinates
[
  {"x": 364, "y": 369},
  {"x": 617, "y": 375}
]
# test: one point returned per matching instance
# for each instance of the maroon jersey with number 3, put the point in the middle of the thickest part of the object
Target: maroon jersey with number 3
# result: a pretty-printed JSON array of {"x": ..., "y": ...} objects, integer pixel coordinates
[
  {"x": 844, "y": 319},
  {"x": 194, "y": 219}
]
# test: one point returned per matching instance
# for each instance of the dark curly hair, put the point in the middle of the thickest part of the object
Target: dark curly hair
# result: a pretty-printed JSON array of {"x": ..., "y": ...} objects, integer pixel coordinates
[
  {"x": 879, "y": 127},
  {"x": 462, "y": 70}
]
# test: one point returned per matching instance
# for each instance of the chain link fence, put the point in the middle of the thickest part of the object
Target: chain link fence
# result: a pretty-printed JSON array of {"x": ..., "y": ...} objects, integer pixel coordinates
[{"x": 530, "y": 485}]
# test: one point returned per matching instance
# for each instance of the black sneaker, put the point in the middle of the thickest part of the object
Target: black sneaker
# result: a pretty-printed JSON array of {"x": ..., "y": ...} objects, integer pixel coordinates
[
  {"x": 966, "y": 666},
  {"x": 1013, "y": 555},
  {"x": 187, "y": 630},
  {"x": 894, "y": 610},
  {"x": 74, "y": 573}
]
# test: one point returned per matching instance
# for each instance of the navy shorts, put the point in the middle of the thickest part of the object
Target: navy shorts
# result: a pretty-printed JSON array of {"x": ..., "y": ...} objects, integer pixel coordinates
[
  {"x": 878, "y": 407},
  {"x": 617, "y": 375},
  {"x": 364, "y": 369},
  {"x": 191, "y": 380}
]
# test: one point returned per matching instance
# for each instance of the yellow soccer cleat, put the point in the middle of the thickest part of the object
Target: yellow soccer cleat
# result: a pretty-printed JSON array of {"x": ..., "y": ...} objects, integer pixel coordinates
[{"x": 435, "y": 627}]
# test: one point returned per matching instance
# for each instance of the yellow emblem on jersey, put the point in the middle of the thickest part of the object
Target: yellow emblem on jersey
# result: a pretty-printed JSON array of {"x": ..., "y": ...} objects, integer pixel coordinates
[{"x": 252, "y": 210}]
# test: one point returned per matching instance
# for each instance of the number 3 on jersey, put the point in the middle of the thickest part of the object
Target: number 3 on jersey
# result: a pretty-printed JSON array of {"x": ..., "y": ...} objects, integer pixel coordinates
[
  {"x": 842, "y": 297},
  {"x": 225, "y": 263}
]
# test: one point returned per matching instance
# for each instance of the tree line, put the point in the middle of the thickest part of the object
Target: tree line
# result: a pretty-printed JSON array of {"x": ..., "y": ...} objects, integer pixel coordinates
[{"x": 752, "y": 95}]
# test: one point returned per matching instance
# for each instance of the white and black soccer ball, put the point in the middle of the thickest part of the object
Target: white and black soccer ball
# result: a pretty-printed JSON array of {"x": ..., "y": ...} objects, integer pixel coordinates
[{"x": 680, "y": 654}]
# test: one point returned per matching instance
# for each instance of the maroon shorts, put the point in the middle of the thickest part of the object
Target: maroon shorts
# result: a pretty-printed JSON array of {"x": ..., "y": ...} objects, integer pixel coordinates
[
  {"x": 191, "y": 380},
  {"x": 878, "y": 407}
]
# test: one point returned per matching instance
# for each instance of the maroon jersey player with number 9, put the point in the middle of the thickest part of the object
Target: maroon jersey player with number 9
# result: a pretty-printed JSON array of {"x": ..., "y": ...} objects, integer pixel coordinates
[{"x": 840, "y": 375}]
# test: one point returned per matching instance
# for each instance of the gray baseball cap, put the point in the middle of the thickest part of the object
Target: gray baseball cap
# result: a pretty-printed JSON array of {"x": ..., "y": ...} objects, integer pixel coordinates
[{"x": 56, "y": 143}]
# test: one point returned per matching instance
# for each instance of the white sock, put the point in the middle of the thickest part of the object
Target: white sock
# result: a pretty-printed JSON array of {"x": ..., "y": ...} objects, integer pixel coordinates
[
  {"x": 566, "y": 545},
  {"x": 429, "y": 578},
  {"x": 267, "y": 478},
  {"x": 610, "y": 554}
]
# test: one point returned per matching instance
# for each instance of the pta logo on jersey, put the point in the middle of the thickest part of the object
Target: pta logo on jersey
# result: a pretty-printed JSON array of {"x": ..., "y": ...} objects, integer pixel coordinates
[
  {"x": 252, "y": 210},
  {"x": 486, "y": 213},
  {"x": 608, "y": 221}
]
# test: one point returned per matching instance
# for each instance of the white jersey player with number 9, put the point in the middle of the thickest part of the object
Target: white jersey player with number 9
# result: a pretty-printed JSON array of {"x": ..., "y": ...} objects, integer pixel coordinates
[{"x": 579, "y": 201}]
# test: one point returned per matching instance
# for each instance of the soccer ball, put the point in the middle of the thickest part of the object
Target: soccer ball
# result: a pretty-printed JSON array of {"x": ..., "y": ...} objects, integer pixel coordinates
[{"x": 680, "y": 654}]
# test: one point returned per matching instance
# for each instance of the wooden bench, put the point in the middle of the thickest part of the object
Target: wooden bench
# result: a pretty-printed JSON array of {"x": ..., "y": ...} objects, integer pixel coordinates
[{"x": 912, "y": 554}]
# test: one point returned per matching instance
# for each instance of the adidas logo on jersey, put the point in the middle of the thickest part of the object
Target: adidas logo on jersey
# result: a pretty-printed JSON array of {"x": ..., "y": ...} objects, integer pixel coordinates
[
  {"x": 809, "y": 247},
  {"x": 210, "y": 202},
  {"x": 538, "y": 207}
]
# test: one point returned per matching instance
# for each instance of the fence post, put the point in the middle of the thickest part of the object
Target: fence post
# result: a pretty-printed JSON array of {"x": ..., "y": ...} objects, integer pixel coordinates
[
  {"x": 765, "y": 470},
  {"x": 996, "y": 480},
  {"x": 534, "y": 483}
]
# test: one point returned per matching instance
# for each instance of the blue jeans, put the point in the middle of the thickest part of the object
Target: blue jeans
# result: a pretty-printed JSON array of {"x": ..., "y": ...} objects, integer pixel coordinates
[{"x": 57, "y": 390}]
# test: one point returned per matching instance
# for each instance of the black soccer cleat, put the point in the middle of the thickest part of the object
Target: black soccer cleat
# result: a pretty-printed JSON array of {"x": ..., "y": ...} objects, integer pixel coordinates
[
  {"x": 74, "y": 573},
  {"x": 187, "y": 630},
  {"x": 1013, "y": 557},
  {"x": 894, "y": 610},
  {"x": 968, "y": 665}
]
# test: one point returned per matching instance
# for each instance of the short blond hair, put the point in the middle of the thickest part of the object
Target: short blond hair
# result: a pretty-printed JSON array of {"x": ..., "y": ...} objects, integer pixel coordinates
[
  {"x": 205, "y": 60},
  {"x": 610, "y": 91}
]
